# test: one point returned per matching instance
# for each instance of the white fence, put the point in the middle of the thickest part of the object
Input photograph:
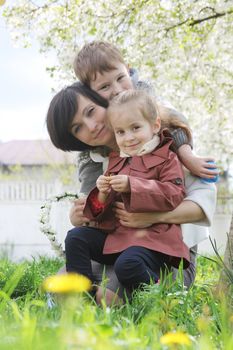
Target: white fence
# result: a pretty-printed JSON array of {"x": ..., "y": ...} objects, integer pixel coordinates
[
  {"x": 20, "y": 202},
  {"x": 20, "y": 235},
  {"x": 28, "y": 191}
]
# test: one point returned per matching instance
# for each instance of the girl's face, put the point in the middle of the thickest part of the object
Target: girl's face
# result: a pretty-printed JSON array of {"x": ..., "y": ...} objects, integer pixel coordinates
[
  {"x": 131, "y": 129},
  {"x": 89, "y": 124}
]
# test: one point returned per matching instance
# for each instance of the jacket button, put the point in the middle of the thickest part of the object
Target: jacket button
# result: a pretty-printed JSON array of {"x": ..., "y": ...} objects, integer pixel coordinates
[{"x": 178, "y": 181}]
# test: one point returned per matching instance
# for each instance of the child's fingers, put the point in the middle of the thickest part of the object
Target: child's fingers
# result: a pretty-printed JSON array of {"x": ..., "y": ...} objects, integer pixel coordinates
[
  {"x": 209, "y": 159},
  {"x": 102, "y": 182},
  {"x": 209, "y": 163},
  {"x": 113, "y": 186},
  {"x": 209, "y": 173},
  {"x": 116, "y": 184},
  {"x": 115, "y": 181},
  {"x": 107, "y": 178},
  {"x": 103, "y": 188},
  {"x": 208, "y": 176},
  {"x": 212, "y": 172}
]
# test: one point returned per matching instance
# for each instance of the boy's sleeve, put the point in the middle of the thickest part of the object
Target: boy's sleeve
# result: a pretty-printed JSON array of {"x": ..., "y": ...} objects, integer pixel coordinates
[
  {"x": 180, "y": 138},
  {"x": 164, "y": 194},
  {"x": 171, "y": 115},
  {"x": 88, "y": 172}
]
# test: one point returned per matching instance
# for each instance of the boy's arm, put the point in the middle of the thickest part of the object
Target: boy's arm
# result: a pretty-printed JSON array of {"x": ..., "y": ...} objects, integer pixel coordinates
[
  {"x": 183, "y": 143},
  {"x": 157, "y": 195},
  {"x": 197, "y": 165},
  {"x": 181, "y": 138}
]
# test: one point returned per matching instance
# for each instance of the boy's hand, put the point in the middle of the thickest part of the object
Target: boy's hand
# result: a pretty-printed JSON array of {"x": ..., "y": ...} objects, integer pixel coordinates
[
  {"x": 201, "y": 167},
  {"x": 120, "y": 183},
  {"x": 198, "y": 166},
  {"x": 103, "y": 184}
]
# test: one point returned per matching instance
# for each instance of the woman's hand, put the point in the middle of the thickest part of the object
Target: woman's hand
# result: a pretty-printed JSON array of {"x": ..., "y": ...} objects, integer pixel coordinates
[
  {"x": 186, "y": 212},
  {"x": 76, "y": 212},
  {"x": 135, "y": 220}
]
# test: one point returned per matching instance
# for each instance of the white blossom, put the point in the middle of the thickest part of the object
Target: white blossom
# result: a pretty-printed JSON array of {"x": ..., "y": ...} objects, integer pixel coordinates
[{"x": 44, "y": 219}]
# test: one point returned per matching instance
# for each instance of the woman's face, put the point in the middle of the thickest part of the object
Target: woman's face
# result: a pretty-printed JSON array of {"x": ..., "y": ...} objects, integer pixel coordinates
[{"x": 89, "y": 124}]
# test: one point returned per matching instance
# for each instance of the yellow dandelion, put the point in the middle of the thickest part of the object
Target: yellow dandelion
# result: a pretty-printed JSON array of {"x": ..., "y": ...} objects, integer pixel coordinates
[
  {"x": 2, "y": 2},
  {"x": 67, "y": 283},
  {"x": 175, "y": 338}
]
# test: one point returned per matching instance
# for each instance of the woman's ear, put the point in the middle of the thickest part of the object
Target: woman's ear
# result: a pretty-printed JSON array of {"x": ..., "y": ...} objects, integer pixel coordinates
[{"x": 157, "y": 125}]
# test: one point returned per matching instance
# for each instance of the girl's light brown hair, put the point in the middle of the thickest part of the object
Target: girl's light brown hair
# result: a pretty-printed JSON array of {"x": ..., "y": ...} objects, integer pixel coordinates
[
  {"x": 150, "y": 109},
  {"x": 142, "y": 100}
]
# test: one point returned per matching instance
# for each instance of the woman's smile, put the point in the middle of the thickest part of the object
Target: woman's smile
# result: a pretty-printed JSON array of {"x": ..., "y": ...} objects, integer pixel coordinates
[{"x": 103, "y": 130}]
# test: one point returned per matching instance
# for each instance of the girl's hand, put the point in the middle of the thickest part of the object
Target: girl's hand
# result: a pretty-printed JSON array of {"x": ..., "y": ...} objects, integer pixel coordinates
[
  {"x": 76, "y": 212},
  {"x": 103, "y": 184},
  {"x": 120, "y": 183}
]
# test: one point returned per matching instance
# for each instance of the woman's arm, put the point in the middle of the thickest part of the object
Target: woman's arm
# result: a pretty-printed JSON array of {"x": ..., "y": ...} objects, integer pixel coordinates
[
  {"x": 198, "y": 207},
  {"x": 88, "y": 172},
  {"x": 186, "y": 212}
]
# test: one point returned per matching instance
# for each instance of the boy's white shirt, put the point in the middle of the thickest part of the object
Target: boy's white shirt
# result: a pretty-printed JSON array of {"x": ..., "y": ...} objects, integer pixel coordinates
[{"x": 193, "y": 233}]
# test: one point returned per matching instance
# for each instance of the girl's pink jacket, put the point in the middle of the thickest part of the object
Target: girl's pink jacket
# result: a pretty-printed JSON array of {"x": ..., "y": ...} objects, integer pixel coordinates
[{"x": 157, "y": 184}]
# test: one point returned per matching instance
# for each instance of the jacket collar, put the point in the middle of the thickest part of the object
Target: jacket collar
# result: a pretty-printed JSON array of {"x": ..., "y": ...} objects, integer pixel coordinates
[{"x": 147, "y": 161}]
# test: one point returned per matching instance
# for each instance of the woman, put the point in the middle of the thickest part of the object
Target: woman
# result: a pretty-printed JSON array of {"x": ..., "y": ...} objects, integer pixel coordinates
[{"x": 76, "y": 121}]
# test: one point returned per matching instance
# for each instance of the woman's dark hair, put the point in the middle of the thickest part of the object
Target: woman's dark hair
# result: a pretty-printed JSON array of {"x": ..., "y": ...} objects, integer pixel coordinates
[{"x": 61, "y": 112}]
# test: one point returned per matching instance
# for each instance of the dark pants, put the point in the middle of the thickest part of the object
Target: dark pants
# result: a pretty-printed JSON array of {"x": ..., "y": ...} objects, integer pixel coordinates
[{"x": 133, "y": 267}]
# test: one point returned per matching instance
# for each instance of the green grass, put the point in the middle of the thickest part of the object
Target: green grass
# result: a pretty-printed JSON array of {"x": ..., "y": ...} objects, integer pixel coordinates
[{"x": 77, "y": 323}]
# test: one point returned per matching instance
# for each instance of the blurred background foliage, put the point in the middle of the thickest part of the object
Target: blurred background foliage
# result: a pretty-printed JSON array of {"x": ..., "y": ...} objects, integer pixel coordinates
[{"x": 183, "y": 47}]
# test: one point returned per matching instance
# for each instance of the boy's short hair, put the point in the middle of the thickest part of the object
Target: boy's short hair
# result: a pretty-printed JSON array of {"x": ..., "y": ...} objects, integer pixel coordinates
[
  {"x": 140, "y": 98},
  {"x": 96, "y": 57}
]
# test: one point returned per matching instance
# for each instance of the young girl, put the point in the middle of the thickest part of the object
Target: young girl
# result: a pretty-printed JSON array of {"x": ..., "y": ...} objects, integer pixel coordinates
[{"x": 146, "y": 176}]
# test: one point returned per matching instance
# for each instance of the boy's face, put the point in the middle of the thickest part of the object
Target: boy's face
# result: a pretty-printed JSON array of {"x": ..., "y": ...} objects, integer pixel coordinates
[
  {"x": 110, "y": 84},
  {"x": 131, "y": 129}
]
